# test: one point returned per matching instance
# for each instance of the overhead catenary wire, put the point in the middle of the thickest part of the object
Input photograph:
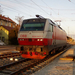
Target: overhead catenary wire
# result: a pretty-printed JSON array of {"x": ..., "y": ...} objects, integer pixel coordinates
[
  {"x": 40, "y": 7},
  {"x": 49, "y": 6},
  {"x": 13, "y": 9},
  {"x": 24, "y": 6},
  {"x": 71, "y": 2}
]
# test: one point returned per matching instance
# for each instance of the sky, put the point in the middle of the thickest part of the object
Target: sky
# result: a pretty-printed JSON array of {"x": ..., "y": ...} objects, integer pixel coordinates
[{"x": 56, "y": 10}]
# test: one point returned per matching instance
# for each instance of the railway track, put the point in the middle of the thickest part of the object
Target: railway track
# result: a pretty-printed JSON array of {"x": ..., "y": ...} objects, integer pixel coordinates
[
  {"x": 15, "y": 67},
  {"x": 9, "y": 54},
  {"x": 26, "y": 66}
]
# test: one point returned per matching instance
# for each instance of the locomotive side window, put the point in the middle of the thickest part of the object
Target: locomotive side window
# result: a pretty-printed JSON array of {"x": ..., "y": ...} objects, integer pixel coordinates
[{"x": 50, "y": 28}]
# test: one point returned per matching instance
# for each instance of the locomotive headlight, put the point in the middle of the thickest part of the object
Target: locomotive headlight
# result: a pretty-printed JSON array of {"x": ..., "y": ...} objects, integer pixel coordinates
[
  {"x": 38, "y": 39},
  {"x": 41, "y": 39}
]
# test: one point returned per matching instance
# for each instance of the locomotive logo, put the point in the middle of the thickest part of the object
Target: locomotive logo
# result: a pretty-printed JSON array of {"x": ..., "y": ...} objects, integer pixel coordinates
[{"x": 23, "y": 35}]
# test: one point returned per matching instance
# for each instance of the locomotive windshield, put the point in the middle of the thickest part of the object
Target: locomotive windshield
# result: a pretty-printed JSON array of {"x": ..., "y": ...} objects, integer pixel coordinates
[{"x": 36, "y": 25}]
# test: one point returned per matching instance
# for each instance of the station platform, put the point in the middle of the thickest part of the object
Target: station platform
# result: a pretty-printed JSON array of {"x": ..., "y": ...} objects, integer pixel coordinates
[{"x": 62, "y": 65}]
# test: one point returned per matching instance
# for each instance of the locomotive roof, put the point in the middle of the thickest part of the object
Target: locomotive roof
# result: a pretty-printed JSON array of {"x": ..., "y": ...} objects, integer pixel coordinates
[{"x": 39, "y": 18}]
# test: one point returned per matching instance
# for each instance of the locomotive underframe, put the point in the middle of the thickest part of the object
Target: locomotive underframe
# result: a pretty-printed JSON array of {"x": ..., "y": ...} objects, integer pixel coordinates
[
  {"x": 41, "y": 49},
  {"x": 38, "y": 49}
]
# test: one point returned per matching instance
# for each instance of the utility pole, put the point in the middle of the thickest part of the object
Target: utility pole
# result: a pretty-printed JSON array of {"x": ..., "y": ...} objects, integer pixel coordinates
[
  {"x": 68, "y": 31},
  {"x": 0, "y": 10}
]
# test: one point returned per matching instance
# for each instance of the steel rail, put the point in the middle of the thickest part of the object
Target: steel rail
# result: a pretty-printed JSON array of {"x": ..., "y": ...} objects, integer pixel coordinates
[{"x": 11, "y": 64}]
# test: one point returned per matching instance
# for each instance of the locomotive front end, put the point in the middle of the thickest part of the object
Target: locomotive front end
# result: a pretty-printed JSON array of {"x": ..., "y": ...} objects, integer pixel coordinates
[{"x": 31, "y": 38}]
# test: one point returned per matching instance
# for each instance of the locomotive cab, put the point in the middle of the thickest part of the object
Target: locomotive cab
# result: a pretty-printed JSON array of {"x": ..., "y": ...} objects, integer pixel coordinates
[{"x": 31, "y": 32}]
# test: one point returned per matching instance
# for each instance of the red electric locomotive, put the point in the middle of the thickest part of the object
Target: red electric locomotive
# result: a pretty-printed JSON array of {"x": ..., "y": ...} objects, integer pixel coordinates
[{"x": 39, "y": 37}]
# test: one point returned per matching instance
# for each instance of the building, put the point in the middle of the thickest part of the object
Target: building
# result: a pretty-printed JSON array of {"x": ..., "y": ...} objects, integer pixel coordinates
[{"x": 8, "y": 29}]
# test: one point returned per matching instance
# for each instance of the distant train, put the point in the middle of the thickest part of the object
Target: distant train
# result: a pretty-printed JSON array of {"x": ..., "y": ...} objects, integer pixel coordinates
[{"x": 39, "y": 37}]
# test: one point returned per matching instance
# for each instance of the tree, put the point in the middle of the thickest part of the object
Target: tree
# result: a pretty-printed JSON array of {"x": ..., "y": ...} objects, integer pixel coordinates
[{"x": 19, "y": 19}]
